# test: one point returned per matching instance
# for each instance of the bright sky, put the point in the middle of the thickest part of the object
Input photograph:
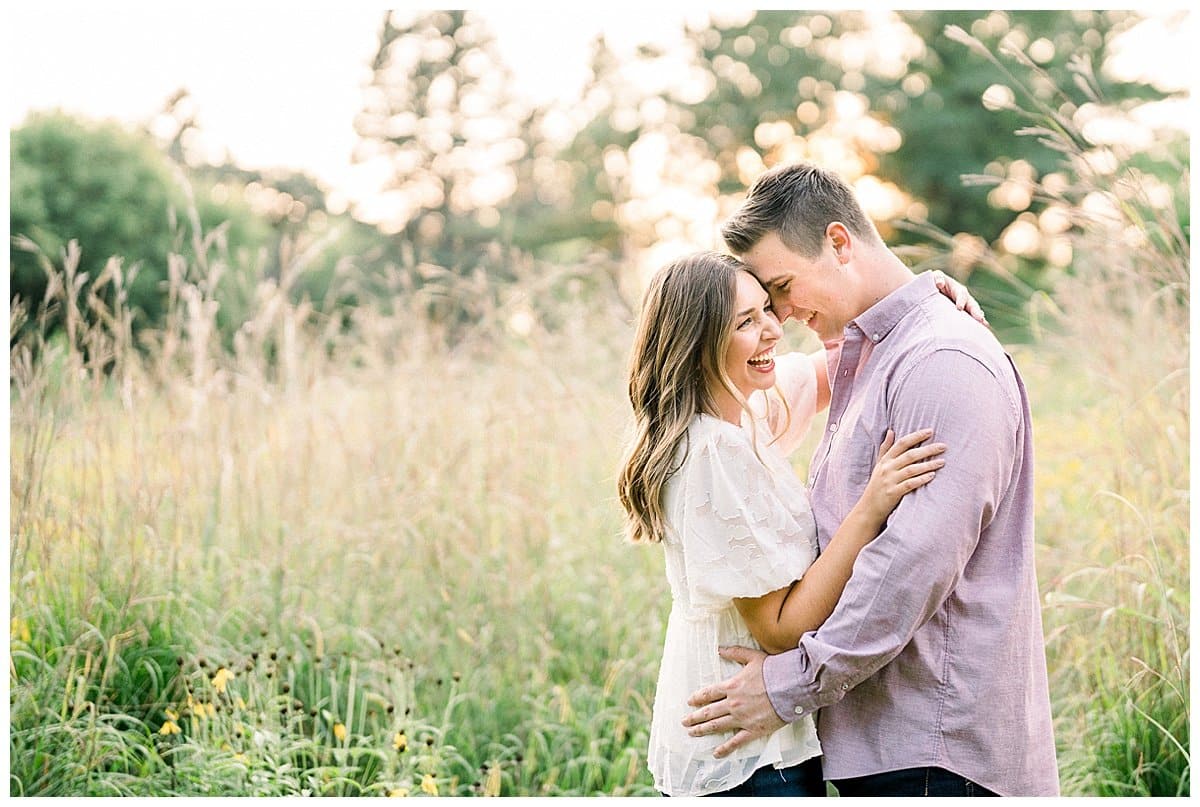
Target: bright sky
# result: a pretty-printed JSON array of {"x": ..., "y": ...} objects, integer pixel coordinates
[
  {"x": 279, "y": 85},
  {"x": 276, "y": 85}
]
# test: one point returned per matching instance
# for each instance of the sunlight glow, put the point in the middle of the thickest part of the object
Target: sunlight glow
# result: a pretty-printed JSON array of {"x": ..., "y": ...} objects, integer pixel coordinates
[
  {"x": 882, "y": 201},
  {"x": 1022, "y": 237}
]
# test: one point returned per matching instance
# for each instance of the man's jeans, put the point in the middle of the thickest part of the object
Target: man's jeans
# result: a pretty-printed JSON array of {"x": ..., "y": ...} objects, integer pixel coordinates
[{"x": 911, "y": 782}]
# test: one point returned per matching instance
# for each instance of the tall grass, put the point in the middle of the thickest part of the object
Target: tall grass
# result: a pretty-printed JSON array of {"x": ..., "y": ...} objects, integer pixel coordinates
[
  {"x": 376, "y": 556},
  {"x": 369, "y": 524},
  {"x": 1112, "y": 399}
]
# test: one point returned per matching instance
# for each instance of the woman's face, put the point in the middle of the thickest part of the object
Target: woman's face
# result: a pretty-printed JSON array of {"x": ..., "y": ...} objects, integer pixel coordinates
[{"x": 750, "y": 358}]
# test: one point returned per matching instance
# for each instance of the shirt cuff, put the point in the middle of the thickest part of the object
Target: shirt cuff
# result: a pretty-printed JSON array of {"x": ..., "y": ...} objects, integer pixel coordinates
[{"x": 781, "y": 677}]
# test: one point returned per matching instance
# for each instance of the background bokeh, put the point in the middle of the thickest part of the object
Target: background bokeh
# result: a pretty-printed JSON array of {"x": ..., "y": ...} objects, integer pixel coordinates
[{"x": 312, "y": 490}]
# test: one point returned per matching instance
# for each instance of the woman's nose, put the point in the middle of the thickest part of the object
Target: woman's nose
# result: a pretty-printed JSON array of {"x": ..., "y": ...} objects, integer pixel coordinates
[{"x": 773, "y": 331}]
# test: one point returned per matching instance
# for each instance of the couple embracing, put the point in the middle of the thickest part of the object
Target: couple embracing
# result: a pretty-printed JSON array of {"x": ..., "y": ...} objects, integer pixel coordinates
[{"x": 879, "y": 628}]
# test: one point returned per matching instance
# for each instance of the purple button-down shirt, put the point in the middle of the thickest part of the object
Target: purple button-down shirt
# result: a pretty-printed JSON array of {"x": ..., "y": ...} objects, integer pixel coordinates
[{"x": 935, "y": 654}]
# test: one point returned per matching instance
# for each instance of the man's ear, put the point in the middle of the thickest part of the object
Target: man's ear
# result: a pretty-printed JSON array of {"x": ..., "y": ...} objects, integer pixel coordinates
[{"x": 839, "y": 237}]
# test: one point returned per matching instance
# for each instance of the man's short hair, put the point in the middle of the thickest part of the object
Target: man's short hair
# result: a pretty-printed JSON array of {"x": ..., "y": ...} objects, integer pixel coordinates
[{"x": 798, "y": 202}]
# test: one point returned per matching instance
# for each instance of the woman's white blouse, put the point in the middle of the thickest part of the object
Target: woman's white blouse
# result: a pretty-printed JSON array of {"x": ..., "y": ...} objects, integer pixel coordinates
[{"x": 740, "y": 527}]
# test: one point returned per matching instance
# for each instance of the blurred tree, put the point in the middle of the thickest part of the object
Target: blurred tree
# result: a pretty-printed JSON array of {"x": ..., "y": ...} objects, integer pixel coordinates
[
  {"x": 441, "y": 118},
  {"x": 114, "y": 192},
  {"x": 595, "y": 156},
  {"x": 959, "y": 117},
  {"x": 95, "y": 183},
  {"x": 641, "y": 167},
  {"x": 949, "y": 132}
]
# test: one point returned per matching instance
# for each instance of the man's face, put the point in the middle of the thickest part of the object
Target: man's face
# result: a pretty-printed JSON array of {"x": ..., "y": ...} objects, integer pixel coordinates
[{"x": 809, "y": 290}]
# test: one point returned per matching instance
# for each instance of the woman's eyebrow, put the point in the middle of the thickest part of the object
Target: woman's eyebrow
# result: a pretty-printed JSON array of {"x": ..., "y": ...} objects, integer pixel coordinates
[{"x": 752, "y": 309}]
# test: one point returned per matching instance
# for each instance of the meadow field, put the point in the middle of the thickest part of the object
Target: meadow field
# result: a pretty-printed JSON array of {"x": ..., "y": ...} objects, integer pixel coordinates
[
  {"x": 369, "y": 561},
  {"x": 361, "y": 553}
]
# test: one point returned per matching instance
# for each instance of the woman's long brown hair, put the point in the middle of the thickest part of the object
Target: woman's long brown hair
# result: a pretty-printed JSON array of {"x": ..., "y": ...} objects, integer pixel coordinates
[{"x": 676, "y": 362}]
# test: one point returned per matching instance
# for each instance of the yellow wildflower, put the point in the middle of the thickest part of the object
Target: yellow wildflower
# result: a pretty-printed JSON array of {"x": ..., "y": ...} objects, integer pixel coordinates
[
  {"x": 169, "y": 728},
  {"x": 400, "y": 742},
  {"x": 171, "y": 715},
  {"x": 221, "y": 679},
  {"x": 240, "y": 757},
  {"x": 398, "y": 793},
  {"x": 239, "y": 703},
  {"x": 201, "y": 710},
  {"x": 19, "y": 629},
  {"x": 339, "y": 731},
  {"x": 429, "y": 784}
]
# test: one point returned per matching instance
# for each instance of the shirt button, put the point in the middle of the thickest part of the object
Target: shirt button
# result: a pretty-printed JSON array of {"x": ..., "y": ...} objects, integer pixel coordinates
[
  {"x": 799, "y": 710},
  {"x": 875, "y": 337},
  {"x": 845, "y": 687},
  {"x": 833, "y": 427}
]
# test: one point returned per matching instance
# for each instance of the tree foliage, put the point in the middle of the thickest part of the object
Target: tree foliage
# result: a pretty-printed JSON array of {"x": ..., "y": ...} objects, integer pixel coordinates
[
  {"x": 97, "y": 184},
  {"x": 113, "y": 191}
]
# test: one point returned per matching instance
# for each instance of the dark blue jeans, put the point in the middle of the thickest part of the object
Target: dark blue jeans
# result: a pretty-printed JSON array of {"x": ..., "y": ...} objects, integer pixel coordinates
[
  {"x": 911, "y": 782},
  {"x": 800, "y": 780}
]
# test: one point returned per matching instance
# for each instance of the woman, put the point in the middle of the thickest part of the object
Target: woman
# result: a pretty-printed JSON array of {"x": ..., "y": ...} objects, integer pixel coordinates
[{"x": 706, "y": 476}]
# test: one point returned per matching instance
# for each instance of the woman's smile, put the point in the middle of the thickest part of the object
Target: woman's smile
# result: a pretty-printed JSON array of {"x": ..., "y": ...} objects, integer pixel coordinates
[{"x": 764, "y": 362}]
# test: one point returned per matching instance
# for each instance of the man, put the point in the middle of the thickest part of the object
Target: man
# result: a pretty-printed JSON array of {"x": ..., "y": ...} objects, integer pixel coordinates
[{"x": 931, "y": 674}]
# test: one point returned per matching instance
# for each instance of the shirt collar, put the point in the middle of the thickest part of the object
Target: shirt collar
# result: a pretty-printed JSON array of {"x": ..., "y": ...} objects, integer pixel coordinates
[{"x": 879, "y": 320}]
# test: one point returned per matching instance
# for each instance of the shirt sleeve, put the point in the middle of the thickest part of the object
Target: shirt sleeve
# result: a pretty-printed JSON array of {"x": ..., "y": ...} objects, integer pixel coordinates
[
  {"x": 795, "y": 383},
  {"x": 739, "y": 538},
  {"x": 902, "y": 577}
]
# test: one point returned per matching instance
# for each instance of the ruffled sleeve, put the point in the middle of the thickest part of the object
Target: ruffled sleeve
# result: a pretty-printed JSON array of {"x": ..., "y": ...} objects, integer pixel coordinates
[
  {"x": 739, "y": 537},
  {"x": 795, "y": 382}
]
